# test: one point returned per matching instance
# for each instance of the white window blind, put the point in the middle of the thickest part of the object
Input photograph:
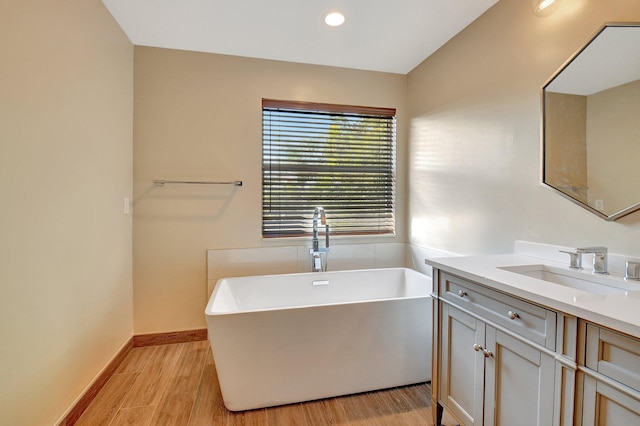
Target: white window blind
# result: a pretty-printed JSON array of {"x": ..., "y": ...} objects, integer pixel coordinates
[{"x": 338, "y": 157}]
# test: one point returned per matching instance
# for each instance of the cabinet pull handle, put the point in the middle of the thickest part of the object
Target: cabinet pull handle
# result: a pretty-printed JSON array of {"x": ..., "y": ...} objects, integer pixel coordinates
[
  {"x": 462, "y": 293},
  {"x": 513, "y": 315},
  {"x": 486, "y": 352}
]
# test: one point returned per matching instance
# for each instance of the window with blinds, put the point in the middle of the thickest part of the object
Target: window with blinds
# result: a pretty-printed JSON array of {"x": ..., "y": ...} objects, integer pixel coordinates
[{"x": 341, "y": 158}]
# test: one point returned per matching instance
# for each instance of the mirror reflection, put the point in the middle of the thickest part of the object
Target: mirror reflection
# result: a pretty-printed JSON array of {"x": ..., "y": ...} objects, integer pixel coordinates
[{"x": 591, "y": 124}]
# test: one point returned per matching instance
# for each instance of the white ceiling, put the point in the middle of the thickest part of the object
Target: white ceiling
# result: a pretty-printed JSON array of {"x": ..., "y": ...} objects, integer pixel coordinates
[{"x": 379, "y": 35}]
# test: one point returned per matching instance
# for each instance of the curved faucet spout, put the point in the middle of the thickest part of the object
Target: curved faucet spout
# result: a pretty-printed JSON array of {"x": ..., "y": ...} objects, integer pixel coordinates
[
  {"x": 319, "y": 211},
  {"x": 323, "y": 218}
]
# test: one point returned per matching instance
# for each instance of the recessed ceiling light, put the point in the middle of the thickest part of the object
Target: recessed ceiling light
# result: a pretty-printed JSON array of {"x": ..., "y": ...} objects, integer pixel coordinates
[{"x": 334, "y": 19}]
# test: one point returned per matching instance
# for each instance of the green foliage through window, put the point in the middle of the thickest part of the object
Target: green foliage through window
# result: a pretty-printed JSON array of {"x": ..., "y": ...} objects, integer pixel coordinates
[{"x": 339, "y": 157}]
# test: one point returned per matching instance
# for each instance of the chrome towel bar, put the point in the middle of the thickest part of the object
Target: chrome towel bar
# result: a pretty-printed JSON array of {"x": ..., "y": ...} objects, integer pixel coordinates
[{"x": 161, "y": 182}]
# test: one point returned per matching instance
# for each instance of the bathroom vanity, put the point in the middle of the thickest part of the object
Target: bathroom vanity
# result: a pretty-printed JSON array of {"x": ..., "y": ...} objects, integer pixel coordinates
[{"x": 521, "y": 340}]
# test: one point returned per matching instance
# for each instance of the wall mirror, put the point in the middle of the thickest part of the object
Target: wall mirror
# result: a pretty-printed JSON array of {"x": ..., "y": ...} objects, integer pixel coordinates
[{"x": 591, "y": 124}]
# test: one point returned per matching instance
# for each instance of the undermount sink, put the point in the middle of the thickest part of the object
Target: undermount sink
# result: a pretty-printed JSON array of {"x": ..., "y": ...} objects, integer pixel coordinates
[{"x": 578, "y": 279}]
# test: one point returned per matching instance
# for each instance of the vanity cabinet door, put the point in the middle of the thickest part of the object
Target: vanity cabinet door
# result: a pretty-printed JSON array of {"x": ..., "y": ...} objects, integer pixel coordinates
[
  {"x": 520, "y": 382},
  {"x": 462, "y": 367},
  {"x": 611, "y": 378},
  {"x": 496, "y": 357},
  {"x": 605, "y": 406}
]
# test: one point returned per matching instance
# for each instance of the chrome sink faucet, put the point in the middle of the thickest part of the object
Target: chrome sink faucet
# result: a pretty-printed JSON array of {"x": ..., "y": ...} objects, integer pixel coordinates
[
  {"x": 600, "y": 263},
  {"x": 319, "y": 255},
  {"x": 575, "y": 259}
]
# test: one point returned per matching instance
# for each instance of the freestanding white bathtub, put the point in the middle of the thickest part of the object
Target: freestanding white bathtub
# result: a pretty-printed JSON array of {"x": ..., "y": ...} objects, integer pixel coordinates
[{"x": 280, "y": 339}]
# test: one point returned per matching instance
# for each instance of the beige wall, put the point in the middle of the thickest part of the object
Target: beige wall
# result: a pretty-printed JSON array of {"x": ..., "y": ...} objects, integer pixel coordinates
[
  {"x": 65, "y": 165},
  {"x": 198, "y": 116},
  {"x": 475, "y": 134}
]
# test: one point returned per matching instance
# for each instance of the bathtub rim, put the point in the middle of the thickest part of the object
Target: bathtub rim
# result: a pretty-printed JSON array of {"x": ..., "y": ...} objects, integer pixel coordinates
[{"x": 209, "y": 313}]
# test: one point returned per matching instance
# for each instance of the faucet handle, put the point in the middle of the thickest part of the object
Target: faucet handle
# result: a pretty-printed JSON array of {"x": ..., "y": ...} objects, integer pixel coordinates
[{"x": 575, "y": 259}]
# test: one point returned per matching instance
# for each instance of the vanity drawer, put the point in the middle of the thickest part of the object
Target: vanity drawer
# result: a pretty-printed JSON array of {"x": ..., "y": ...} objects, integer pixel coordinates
[
  {"x": 614, "y": 355},
  {"x": 526, "y": 319}
]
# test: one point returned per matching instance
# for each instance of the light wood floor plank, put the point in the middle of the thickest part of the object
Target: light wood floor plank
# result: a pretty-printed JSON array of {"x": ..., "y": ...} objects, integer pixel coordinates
[
  {"x": 105, "y": 406},
  {"x": 139, "y": 416},
  {"x": 417, "y": 394},
  {"x": 208, "y": 409},
  {"x": 360, "y": 411},
  {"x": 209, "y": 359},
  {"x": 136, "y": 360},
  {"x": 248, "y": 418},
  {"x": 411, "y": 399},
  {"x": 420, "y": 402},
  {"x": 318, "y": 413},
  {"x": 176, "y": 404},
  {"x": 154, "y": 379},
  {"x": 293, "y": 415},
  {"x": 394, "y": 410}
]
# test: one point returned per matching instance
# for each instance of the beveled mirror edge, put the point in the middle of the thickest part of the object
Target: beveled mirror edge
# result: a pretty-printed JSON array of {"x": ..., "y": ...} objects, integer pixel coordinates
[{"x": 609, "y": 218}]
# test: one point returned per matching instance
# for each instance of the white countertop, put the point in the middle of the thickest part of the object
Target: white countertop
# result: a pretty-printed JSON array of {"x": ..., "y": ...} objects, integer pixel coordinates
[{"x": 617, "y": 311}]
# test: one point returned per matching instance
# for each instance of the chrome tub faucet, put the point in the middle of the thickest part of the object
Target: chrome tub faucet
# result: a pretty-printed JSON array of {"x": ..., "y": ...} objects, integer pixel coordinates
[{"x": 319, "y": 255}]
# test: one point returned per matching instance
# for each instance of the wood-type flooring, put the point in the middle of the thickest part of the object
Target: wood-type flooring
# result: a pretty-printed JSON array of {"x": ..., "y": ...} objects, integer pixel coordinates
[{"x": 177, "y": 384}]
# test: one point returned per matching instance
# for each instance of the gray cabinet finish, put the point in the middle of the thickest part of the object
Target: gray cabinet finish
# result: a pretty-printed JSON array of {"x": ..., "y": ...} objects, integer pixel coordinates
[
  {"x": 609, "y": 383},
  {"x": 495, "y": 356},
  {"x": 462, "y": 372},
  {"x": 520, "y": 384},
  {"x": 502, "y": 360}
]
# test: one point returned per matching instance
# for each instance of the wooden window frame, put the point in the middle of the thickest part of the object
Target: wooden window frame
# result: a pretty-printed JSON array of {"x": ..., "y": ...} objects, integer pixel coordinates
[{"x": 339, "y": 157}]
